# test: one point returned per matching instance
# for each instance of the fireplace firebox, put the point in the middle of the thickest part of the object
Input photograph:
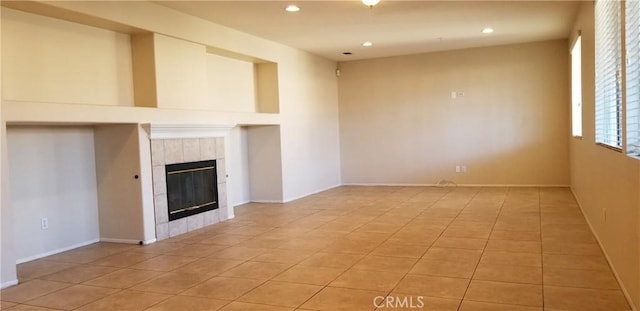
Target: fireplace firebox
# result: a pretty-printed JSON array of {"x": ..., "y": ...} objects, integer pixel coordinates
[{"x": 191, "y": 188}]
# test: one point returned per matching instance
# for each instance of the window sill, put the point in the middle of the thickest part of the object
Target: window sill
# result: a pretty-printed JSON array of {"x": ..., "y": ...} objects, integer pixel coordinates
[{"x": 618, "y": 149}]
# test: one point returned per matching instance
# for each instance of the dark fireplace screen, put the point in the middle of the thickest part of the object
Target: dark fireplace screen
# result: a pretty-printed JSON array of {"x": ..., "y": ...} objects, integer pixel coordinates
[{"x": 191, "y": 188}]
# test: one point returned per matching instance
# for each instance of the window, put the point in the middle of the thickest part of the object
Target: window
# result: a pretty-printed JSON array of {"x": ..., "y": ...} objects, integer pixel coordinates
[
  {"x": 608, "y": 77},
  {"x": 632, "y": 33},
  {"x": 576, "y": 87}
]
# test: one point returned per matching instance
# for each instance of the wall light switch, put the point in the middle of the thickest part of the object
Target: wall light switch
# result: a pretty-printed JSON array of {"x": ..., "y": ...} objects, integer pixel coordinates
[
  {"x": 463, "y": 168},
  {"x": 454, "y": 94},
  {"x": 457, "y": 168},
  {"x": 44, "y": 223}
]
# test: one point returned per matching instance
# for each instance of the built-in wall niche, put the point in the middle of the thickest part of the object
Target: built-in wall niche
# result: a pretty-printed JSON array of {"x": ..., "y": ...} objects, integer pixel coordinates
[
  {"x": 241, "y": 84},
  {"x": 85, "y": 61},
  {"x": 190, "y": 75},
  {"x": 51, "y": 60}
]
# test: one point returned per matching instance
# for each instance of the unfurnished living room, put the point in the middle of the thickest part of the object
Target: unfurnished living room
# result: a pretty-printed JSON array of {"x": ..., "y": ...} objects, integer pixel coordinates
[{"x": 320, "y": 155}]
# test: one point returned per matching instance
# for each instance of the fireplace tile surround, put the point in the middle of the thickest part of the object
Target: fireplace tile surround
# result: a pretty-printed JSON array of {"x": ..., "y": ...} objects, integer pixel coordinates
[{"x": 181, "y": 150}]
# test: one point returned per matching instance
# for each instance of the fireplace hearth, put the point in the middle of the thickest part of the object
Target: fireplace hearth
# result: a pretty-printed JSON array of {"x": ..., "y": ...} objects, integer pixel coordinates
[{"x": 191, "y": 188}]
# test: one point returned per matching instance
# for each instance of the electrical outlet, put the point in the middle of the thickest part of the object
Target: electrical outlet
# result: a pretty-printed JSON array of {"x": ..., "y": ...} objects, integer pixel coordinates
[
  {"x": 457, "y": 168},
  {"x": 44, "y": 223}
]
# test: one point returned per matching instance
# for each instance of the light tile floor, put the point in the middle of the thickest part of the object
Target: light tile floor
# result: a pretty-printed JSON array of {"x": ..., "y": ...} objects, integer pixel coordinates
[{"x": 440, "y": 248}]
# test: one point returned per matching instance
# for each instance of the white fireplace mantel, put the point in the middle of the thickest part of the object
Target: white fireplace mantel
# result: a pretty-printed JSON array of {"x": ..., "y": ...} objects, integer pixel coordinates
[{"x": 178, "y": 131}]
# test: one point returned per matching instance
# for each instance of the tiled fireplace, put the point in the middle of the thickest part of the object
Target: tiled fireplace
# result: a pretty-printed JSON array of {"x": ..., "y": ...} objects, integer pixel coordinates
[{"x": 166, "y": 151}]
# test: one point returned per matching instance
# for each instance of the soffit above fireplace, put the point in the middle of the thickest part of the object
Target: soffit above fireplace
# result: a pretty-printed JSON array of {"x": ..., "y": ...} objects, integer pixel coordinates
[{"x": 177, "y": 131}]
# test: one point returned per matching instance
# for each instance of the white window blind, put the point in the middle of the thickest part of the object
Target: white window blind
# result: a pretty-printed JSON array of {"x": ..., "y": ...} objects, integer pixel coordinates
[
  {"x": 632, "y": 35},
  {"x": 576, "y": 88},
  {"x": 608, "y": 77}
]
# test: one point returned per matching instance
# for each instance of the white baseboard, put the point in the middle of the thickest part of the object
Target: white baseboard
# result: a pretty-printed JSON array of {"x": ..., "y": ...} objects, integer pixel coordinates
[
  {"x": 8, "y": 283},
  {"x": 406, "y": 185},
  {"x": 387, "y": 185},
  {"x": 513, "y": 185},
  {"x": 454, "y": 185},
  {"x": 267, "y": 201},
  {"x": 310, "y": 193},
  {"x": 287, "y": 200},
  {"x": 125, "y": 241},
  {"x": 241, "y": 202},
  {"x": 613, "y": 268},
  {"x": 56, "y": 251}
]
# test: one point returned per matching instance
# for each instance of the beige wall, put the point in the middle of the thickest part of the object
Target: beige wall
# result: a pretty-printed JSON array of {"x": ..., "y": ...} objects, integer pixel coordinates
[
  {"x": 146, "y": 184},
  {"x": 117, "y": 153},
  {"x": 181, "y": 73},
  {"x": 239, "y": 177},
  {"x": 8, "y": 275},
  {"x": 7, "y": 271},
  {"x": 264, "y": 164},
  {"x": 307, "y": 86},
  {"x": 310, "y": 136},
  {"x": 603, "y": 179},
  {"x": 49, "y": 60},
  {"x": 399, "y": 125},
  {"x": 230, "y": 84},
  {"x": 306, "y": 116},
  {"x": 53, "y": 175}
]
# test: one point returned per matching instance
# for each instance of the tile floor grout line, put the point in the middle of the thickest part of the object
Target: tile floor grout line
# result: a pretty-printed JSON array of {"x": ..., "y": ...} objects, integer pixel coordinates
[
  {"x": 484, "y": 248},
  {"x": 355, "y": 263},
  {"x": 153, "y": 278},
  {"x": 427, "y": 249},
  {"x": 541, "y": 247},
  {"x": 439, "y": 235},
  {"x": 316, "y": 252},
  {"x": 356, "y": 203}
]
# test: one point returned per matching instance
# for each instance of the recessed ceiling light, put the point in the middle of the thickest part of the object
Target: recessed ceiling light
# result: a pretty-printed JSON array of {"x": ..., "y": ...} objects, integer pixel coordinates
[
  {"x": 367, "y": 44},
  {"x": 487, "y": 30},
  {"x": 370, "y": 3},
  {"x": 292, "y": 8}
]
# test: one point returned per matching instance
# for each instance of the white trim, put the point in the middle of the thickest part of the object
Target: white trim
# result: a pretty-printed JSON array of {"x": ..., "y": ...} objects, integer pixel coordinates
[
  {"x": 458, "y": 185},
  {"x": 310, "y": 193},
  {"x": 388, "y": 185},
  {"x": 8, "y": 283},
  {"x": 606, "y": 256},
  {"x": 241, "y": 203},
  {"x": 230, "y": 214},
  {"x": 294, "y": 198},
  {"x": 151, "y": 241},
  {"x": 514, "y": 185},
  {"x": 406, "y": 185},
  {"x": 177, "y": 131},
  {"x": 125, "y": 241},
  {"x": 575, "y": 40},
  {"x": 55, "y": 251}
]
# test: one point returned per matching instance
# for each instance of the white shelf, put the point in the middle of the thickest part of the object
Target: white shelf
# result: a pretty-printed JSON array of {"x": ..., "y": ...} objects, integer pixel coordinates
[{"x": 17, "y": 112}]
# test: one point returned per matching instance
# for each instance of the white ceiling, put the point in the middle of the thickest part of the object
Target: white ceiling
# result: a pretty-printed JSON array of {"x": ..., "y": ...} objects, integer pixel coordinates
[{"x": 329, "y": 28}]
